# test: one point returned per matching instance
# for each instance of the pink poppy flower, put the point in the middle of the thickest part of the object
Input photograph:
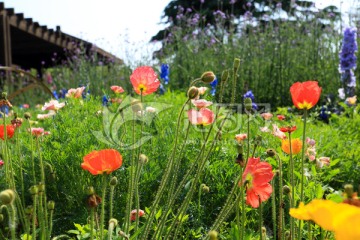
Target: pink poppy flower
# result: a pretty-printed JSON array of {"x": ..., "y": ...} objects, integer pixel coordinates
[
  {"x": 240, "y": 137},
  {"x": 75, "y": 93},
  {"x": 201, "y": 103},
  {"x": 202, "y": 90},
  {"x": 133, "y": 214},
  {"x": 277, "y": 133},
  {"x": 53, "y": 105},
  {"x": 45, "y": 116},
  {"x": 117, "y": 89},
  {"x": 25, "y": 105},
  {"x": 264, "y": 129},
  {"x": 1, "y": 163},
  {"x": 202, "y": 117},
  {"x": 144, "y": 80},
  {"x": 321, "y": 161},
  {"x": 37, "y": 132},
  {"x": 256, "y": 178},
  {"x": 281, "y": 117},
  {"x": 266, "y": 116}
]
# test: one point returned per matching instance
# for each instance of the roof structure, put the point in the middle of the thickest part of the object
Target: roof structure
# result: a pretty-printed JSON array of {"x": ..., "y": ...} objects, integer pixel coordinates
[{"x": 26, "y": 44}]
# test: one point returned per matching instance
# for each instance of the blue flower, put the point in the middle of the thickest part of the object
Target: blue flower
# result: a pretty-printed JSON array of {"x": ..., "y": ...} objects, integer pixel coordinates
[
  {"x": 55, "y": 95},
  {"x": 249, "y": 94},
  {"x": 4, "y": 109},
  {"x": 162, "y": 89},
  {"x": 349, "y": 47},
  {"x": 164, "y": 73},
  {"x": 213, "y": 85},
  {"x": 105, "y": 100}
]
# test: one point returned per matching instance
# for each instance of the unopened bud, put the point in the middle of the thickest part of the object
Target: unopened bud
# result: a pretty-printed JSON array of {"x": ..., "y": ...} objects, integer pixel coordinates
[
  {"x": 90, "y": 190},
  {"x": 204, "y": 188},
  {"x": 34, "y": 190},
  {"x": 143, "y": 158},
  {"x": 263, "y": 232},
  {"x": 286, "y": 190},
  {"x": 287, "y": 235},
  {"x": 236, "y": 63},
  {"x": 41, "y": 187},
  {"x": 4, "y": 95},
  {"x": 113, "y": 181},
  {"x": 349, "y": 190},
  {"x": 258, "y": 140},
  {"x": 113, "y": 221},
  {"x": 213, "y": 235},
  {"x": 27, "y": 115},
  {"x": 248, "y": 104},
  {"x": 1, "y": 217},
  {"x": 208, "y": 77},
  {"x": 270, "y": 152},
  {"x": 193, "y": 92},
  {"x": 51, "y": 205},
  {"x": 224, "y": 75},
  {"x": 7, "y": 196}
]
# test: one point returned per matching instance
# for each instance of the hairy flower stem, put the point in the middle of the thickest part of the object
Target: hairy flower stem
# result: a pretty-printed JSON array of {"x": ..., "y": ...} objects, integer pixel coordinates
[
  {"x": 273, "y": 206},
  {"x": 302, "y": 170},
  {"x": 260, "y": 220},
  {"x": 233, "y": 94},
  {"x": 21, "y": 169},
  {"x": 131, "y": 185},
  {"x": 35, "y": 200},
  {"x": 50, "y": 223},
  {"x": 165, "y": 177},
  {"x": 43, "y": 192},
  {"x": 292, "y": 200},
  {"x": 172, "y": 195},
  {"x": 32, "y": 155},
  {"x": 103, "y": 201},
  {"x": 92, "y": 214},
  {"x": 202, "y": 161},
  {"x": 111, "y": 200},
  {"x": 281, "y": 203},
  {"x": 12, "y": 220}
]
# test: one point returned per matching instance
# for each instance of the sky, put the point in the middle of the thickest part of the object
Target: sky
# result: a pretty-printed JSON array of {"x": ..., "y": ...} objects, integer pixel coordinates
[{"x": 121, "y": 27}]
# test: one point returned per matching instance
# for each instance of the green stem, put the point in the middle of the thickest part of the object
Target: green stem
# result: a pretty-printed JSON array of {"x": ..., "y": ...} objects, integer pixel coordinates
[
  {"x": 50, "y": 223},
  {"x": 34, "y": 216},
  {"x": 302, "y": 169},
  {"x": 102, "y": 214},
  {"x": 165, "y": 178},
  {"x": 281, "y": 203},
  {"x": 111, "y": 201},
  {"x": 92, "y": 213},
  {"x": 292, "y": 200},
  {"x": 260, "y": 220},
  {"x": 273, "y": 206},
  {"x": 32, "y": 155},
  {"x": 12, "y": 221}
]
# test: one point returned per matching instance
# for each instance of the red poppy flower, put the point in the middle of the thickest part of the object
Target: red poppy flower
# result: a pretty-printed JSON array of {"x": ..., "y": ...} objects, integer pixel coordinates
[
  {"x": 144, "y": 80},
  {"x": 103, "y": 161},
  {"x": 288, "y": 129},
  {"x": 202, "y": 117},
  {"x": 37, "y": 132},
  {"x": 10, "y": 130},
  {"x": 281, "y": 117},
  {"x": 305, "y": 95},
  {"x": 257, "y": 176}
]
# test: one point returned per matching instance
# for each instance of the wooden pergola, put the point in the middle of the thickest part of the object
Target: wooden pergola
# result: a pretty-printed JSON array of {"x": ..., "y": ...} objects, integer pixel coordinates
[{"x": 28, "y": 45}]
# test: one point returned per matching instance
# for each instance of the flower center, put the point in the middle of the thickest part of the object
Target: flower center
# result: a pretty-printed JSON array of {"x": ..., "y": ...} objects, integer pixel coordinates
[{"x": 142, "y": 88}]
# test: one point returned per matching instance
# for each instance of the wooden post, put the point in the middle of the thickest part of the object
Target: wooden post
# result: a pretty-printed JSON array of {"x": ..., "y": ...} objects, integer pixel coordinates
[{"x": 5, "y": 45}]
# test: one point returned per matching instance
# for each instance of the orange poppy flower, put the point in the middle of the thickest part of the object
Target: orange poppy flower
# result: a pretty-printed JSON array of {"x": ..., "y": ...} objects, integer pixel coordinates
[
  {"x": 287, "y": 129},
  {"x": 305, "y": 95},
  {"x": 296, "y": 146},
  {"x": 117, "y": 89},
  {"x": 10, "y": 130},
  {"x": 144, "y": 80},
  {"x": 257, "y": 176},
  {"x": 103, "y": 161}
]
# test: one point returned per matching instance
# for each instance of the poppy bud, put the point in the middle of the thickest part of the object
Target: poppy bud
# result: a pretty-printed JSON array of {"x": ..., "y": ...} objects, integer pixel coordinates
[
  {"x": 193, "y": 92},
  {"x": 27, "y": 115},
  {"x": 1, "y": 217},
  {"x": 124, "y": 235},
  {"x": 349, "y": 190},
  {"x": 248, "y": 104},
  {"x": 51, "y": 205},
  {"x": 113, "y": 221},
  {"x": 34, "y": 190},
  {"x": 263, "y": 232},
  {"x": 208, "y": 77},
  {"x": 90, "y": 190},
  {"x": 213, "y": 235},
  {"x": 258, "y": 140},
  {"x": 4, "y": 95},
  {"x": 236, "y": 63},
  {"x": 286, "y": 190},
  {"x": 7, "y": 196},
  {"x": 143, "y": 158},
  {"x": 136, "y": 105},
  {"x": 93, "y": 201},
  {"x": 113, "y": 181},
  {"x": 270, "y": 152},
  {"x": 287, "y": 235},
  {"x": 204, "y": 188},
  {"x": 224, "y": 75},
  {"x": 41, "y": 187}
]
